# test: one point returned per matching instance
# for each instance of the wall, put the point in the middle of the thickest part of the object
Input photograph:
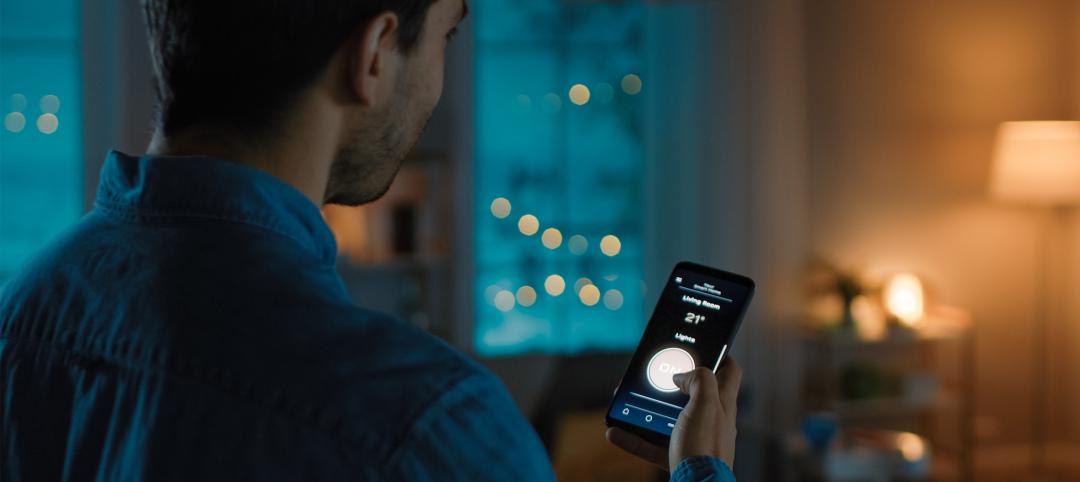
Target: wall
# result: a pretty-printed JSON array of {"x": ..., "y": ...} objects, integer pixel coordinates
[{"x": 904, "y": 97}]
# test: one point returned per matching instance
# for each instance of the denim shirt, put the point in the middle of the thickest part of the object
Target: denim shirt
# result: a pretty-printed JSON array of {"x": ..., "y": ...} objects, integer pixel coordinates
[{"x": 192, "y": 327}]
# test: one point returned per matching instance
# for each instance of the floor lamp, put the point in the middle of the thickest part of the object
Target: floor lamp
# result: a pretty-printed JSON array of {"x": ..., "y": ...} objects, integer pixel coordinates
[{"x": 1038, "y": 163}]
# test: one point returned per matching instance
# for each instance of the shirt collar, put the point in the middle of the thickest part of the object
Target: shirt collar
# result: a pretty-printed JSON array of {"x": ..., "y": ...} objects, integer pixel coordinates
[{"x": 204, "y": 187}]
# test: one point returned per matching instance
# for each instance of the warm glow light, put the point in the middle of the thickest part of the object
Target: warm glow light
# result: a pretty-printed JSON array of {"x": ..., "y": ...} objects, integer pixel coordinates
[
  {"x": 589, "y": 295},
  {"x": 869, "y": 319},
  {"x": 528, "y": 225},
  {"x": 1037, "y": 162},
  {"x": 904, "y": 298},
  {"x": 610, "y": 245},
  {"x": 579, "y": 94},
  {"x": 578, "y": 244},
  {"x": 504, "y": 300},
  {"x": 526, "y": 296},
  {"x": 500, "y": 207},
  {"x": 631, "y": 84},
  {"x": 581, "y": 283},
  {"x": 613, "y": 299},
  {"x": 48, "y": 123},
  {"x": 552, "y": 238},
  {"x": 555, "y": 285},
  {"x": 912, "y": 447},
  {"x": 14, "y": 122},
  {"x": 50, "y": 104}
]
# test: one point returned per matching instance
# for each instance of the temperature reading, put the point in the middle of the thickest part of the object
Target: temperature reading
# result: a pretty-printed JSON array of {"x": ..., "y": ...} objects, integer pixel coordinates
[{"x": 695, "y": 319}]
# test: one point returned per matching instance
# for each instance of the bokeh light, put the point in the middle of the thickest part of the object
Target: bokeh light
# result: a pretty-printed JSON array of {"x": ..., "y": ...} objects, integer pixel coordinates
[
  {"x": 500, "y": 207},
  {"x": 589, "y": 295},
  {"x": 528, "y": 225},
  {"x": 631, "y": 84},
  {"x": 552, "y": 238},
  {"x": 579, "y": 94},
  {"x": 552, "y": 103},
  {"x": 50, "y": 104},
  {"x": 578, "y": 244},
  {"x": 610, "y": 245},
  {"x": 581, "y": 283},
  {"x": 48, "y": 123},
  {"x": 526, "y": 296},
  {"x": 18, "y": 102},
  {"x": 555, "y": 285},
  {"x": 504, "y": 300},
  {"x": 613, "y": 299},
  {"x": 14, "y": 122}
]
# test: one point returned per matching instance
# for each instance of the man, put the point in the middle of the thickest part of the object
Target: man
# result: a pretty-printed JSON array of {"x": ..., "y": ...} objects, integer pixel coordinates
[{"x": 192, "y": 327}]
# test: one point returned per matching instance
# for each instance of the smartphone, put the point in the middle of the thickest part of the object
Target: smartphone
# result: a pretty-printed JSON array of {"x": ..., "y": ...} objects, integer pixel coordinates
[{"x": 692, "y": 326}]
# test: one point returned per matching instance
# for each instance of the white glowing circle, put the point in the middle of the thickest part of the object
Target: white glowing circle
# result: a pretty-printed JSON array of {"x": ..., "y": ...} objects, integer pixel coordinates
[
  {"x": 552, "y": 238},
  {"x": 912, "y": 447},
  {"x": 14, "y": 122},
  {"x": 579, "y": 94},
  {"x": 631, "y": 84},
  {"x": 528, "y": 225},
  {"x": 50, "y": 104},
  {"x": 904, "y": 298},
  {"x": 577, "y": 244},
  {"x": 504, "y": 301},
  {"x": 48, "y": 123},
  {"x": 662, "y": 367},
  {"x": 589, "y": 295},
  {"x": 610, "y": 245},
  {"x": 526, "y": 296},
  {"x": 500, "y": 207},
  {"x": 613, "y": 299},
  {"x": 555, "y": 285}
]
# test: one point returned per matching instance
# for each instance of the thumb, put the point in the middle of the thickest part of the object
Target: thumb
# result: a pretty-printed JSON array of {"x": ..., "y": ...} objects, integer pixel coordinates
[{"x": 694, "y": 381}]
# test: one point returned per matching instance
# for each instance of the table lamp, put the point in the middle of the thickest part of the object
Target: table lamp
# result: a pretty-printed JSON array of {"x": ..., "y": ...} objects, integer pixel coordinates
[{"x": 1038, "y": 163}]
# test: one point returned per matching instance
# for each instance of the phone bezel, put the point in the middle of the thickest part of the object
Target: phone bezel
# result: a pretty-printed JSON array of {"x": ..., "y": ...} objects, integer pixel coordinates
[{"x": 657, "y": 437}]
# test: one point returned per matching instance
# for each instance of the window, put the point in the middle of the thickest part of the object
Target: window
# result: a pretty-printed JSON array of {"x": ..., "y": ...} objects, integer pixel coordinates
[
  {"x": 559, "y": 176},
  {"x": 40, "y": 150}
]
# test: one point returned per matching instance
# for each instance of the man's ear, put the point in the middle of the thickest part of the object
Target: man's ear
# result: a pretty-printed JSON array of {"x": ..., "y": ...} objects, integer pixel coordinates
[{"x": 370, "y": 68}]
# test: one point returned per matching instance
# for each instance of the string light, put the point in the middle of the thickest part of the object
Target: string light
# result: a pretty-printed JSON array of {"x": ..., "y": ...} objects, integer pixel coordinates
[
  {"x": 581, "y": 283},
  {"x": 50, "y": 104}
]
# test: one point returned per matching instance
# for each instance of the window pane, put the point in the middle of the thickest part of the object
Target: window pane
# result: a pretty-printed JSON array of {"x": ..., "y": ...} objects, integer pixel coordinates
[
  {"x": 40, "y": 150},
  {"x": 570, "y": 155}
]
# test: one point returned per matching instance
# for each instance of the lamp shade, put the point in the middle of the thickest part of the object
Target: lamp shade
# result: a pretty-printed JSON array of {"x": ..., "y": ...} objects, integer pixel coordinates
[{"x": 1037, "y": 162}]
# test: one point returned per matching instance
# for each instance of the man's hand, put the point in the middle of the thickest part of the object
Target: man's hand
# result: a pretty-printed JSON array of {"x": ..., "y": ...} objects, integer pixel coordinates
[{"x": 705, "y": 427}]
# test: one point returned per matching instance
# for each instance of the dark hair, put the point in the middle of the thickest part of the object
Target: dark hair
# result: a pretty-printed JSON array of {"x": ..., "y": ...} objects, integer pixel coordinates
[{"x": 239, "y": 63}]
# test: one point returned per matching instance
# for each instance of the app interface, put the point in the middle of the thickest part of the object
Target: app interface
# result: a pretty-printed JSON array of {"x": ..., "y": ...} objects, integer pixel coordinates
[{"x": 692, "y": 327}]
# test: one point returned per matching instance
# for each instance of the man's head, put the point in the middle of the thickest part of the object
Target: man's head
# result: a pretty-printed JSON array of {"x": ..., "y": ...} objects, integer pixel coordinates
[{"x": 243, "y": 68}]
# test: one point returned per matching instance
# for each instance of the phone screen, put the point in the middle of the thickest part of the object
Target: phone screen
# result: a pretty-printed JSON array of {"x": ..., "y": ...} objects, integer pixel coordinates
[{"x": 692, "y": 326}]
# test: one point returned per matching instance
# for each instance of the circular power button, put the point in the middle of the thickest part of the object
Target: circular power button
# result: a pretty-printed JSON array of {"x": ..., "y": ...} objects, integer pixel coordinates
[{"x": 666, "y": 363}]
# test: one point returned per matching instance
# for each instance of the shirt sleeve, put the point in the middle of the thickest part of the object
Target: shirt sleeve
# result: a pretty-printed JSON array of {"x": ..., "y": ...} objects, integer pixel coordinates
[
  {"x": 473, "y": 432},
  {"x": 702, "y": 468}
]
